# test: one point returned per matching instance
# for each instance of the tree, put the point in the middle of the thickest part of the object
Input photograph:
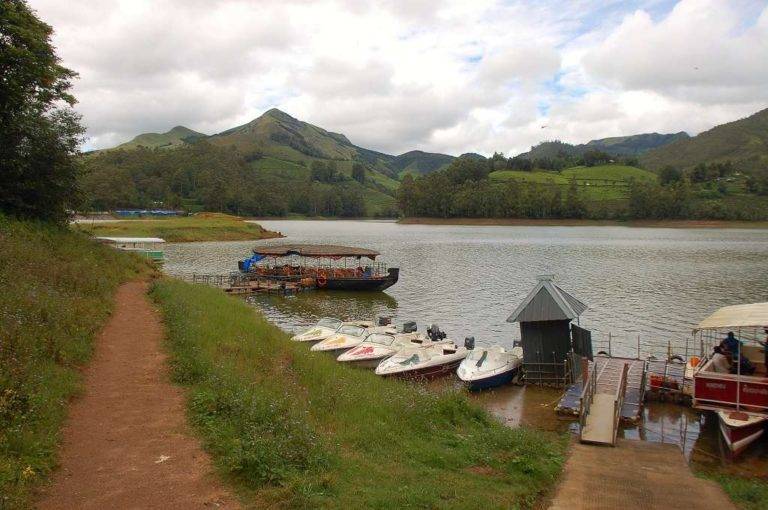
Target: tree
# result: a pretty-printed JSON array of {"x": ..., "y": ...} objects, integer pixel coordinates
[
  {"x": 39, "y": 140},
  {"x": 574, "y": 205},
  {"x": 595, "y": 158},
  {"x": 670, "y": 175},
  {"x": 358, "y": 173}
]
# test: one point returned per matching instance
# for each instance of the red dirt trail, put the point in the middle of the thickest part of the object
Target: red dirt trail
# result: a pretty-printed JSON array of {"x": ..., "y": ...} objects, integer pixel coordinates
[{"x": 126, "y": 443}]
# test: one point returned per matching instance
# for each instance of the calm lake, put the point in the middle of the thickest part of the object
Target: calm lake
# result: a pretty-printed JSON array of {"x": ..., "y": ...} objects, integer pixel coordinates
[{"x": 653, "y": 283}]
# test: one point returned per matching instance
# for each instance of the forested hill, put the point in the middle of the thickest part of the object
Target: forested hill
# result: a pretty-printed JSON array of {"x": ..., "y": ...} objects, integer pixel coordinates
[
  {"x": 176, "y": 137},
  {"x": 632, "y": 145},
  {"x": 743, "y": 142},
  {"x": 278, "y": 135}
]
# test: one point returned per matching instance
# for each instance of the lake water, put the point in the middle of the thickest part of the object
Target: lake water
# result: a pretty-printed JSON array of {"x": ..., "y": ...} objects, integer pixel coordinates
[
  {"x": 649, "y": 282},
  {"x": 656, "y": 283}
]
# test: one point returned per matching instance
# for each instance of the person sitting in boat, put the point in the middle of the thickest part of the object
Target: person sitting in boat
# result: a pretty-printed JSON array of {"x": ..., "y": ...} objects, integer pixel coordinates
[
  {"x": 731, "y": 345},
  {"x": 720, "y": 362},
  {"x": 368, "y": 272},
  {"x": 359, "y": 272},
  {"x": 765, "y": 348}
]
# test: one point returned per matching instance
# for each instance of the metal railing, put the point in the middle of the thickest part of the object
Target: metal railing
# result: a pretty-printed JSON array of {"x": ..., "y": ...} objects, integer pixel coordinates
[
  {"x": 585, "y": 400},
  {"x": 548, "y": 374},
  {"x": 618, "y": 402}
]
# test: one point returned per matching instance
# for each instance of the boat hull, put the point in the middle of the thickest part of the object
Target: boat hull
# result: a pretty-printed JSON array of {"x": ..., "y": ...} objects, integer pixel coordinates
[
  {"x": 362, "y": 284},
  {"x": 738, "y": 437},
  {"x": 364, "y": 363},
  {"x": 492, "y": 381},
  {"x": 429, "y": 372}
]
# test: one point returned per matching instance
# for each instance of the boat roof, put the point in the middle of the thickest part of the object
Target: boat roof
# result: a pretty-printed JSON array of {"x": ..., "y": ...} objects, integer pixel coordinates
[
  {"x": 314, "y": 250},
  {"x": 736, "y": 316},
  {"x": 547, "y": 302},
  {"x": 131, "y": 239}
]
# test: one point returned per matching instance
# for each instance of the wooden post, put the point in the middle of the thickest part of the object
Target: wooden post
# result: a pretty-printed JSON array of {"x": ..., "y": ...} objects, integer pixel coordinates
[
  {"x": 610, "y": 352},
  {"x": 638, "y": 346},
  {"x": 584, "y": 371}
]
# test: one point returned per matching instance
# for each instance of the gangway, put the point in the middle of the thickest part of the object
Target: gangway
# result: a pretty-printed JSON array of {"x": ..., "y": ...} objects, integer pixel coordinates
[{"x": 613, "y": 390}]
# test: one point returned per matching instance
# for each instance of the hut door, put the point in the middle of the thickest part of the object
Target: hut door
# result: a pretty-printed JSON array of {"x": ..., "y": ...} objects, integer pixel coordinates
[{"x": 582, "y": 341}]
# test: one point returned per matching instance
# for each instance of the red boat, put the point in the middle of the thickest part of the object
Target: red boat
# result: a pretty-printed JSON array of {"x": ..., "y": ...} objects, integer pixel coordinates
[{"x": 740, "y": 399}]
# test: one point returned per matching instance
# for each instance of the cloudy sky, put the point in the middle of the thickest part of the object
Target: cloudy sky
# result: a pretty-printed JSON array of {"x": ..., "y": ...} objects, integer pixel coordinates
[{"x": 394, "y": 75}]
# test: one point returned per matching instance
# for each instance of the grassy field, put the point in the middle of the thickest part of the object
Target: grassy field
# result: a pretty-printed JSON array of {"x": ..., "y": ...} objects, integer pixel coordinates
[
  {"x": 294, "y": 429},
  {"x": 201, "y": 227},
  {"x": 55, "y": 293},
  {"x": 588, "y": 179}
]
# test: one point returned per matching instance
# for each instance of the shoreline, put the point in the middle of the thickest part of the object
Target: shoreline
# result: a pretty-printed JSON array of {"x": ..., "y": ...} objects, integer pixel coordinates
[{"x": 528, "y": 222}]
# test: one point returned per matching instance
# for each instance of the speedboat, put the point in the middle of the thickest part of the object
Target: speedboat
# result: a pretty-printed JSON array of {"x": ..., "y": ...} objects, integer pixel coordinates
[
  {"x": 489, "y": 367},
  {"x": 348, "y": 336},
  {"x": 426, "y": 361},
  {"x": 378, "y": 346},
  {"x": 740, "y": 429},
  {"x": 324, "y": 328}
]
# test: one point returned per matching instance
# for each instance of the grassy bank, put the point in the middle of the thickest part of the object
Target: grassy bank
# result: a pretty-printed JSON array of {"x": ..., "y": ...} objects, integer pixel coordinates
[
  {"x": 294, "y": 429},
  {"x": 201, "y": 227},
  {"x": 525, "y": 222},
  {"x": 749, "y": 491},
  {"x": 55, "y": 293}
]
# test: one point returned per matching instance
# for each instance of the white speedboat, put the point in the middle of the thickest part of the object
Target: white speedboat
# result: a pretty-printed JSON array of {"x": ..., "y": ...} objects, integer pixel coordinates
[
  {"x": 426, "y": 361},
  {"x": 488, "y": 367},
  {"x": 378, "y": 346},
  {"x": 348, "y": 336},
  {"x": 324, "y": 328}
]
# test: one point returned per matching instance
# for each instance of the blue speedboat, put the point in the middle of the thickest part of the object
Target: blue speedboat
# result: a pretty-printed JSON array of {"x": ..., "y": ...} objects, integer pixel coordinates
[{"x": 489, "y": 367}]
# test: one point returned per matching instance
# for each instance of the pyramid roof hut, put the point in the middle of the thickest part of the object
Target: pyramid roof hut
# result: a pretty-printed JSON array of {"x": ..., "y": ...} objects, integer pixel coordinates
[{"x": 546, "y": 332}]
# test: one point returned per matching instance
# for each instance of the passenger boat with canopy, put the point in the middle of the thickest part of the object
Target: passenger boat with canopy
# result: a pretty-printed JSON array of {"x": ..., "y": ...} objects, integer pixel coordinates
[
  {"x": 739, "y": 397},
  {"x": 329, "y": 267}
]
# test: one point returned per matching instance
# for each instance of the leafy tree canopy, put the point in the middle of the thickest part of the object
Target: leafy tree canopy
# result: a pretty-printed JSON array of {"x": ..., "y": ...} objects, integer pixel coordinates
[{"x": 39, "y": 134}]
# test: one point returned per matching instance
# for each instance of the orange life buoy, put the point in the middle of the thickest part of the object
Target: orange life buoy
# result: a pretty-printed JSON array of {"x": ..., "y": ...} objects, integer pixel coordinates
[{"x": 322, "y": 280}]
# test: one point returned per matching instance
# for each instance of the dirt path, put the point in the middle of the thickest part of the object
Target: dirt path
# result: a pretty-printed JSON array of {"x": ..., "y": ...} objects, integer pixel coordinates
[
  {"x": 126, "y": 441},
  {"x": 634, "y": 475}
]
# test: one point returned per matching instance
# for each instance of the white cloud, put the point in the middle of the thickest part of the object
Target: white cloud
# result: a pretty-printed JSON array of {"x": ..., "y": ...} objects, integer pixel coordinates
[{"x": 451, "y": 76}]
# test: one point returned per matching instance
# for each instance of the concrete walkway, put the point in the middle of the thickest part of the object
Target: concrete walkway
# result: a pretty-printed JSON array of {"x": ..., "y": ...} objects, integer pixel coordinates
[{"x": 634, "y": 475}]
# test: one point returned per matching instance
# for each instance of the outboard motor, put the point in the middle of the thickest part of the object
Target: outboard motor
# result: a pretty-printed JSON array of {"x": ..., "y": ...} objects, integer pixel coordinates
[
  {"x": 385, "y": 321},
  {"x": 435, "y": 334},
  {"x": 469, "y": 343},
  {"x": 409, "y": 327}
]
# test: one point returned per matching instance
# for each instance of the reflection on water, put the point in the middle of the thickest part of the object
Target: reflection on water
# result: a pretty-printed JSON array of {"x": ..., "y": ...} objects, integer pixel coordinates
[{"x": 655, "y": 283}]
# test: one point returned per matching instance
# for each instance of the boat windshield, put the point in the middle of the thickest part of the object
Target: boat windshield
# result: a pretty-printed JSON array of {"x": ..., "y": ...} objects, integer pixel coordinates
[
  {"x": 329, "y": 323},
  {"x": 476, "y": 354},
  {"x": 380, "y": 339},
  {"x": 352, "y": 330}
]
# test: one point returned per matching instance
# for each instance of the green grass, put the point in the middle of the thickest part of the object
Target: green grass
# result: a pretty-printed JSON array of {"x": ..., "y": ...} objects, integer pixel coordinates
[
  {"x": 55, "y": 293},
  {"x": 201, "y": 227},
  {"x": 290, "y": 428},
  {"x": 746, "y": 493},
  {"x": 587, "y": 179},
  {"x": 610, "y": 172}
]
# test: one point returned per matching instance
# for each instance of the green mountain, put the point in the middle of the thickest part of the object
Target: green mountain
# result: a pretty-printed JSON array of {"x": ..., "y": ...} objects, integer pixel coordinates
[
  {"x": 632, "y": 145},
  {"x": 743, "y": 142},
  {"x": 176, "y": 137},
  {"x": 420, "y": 162}
]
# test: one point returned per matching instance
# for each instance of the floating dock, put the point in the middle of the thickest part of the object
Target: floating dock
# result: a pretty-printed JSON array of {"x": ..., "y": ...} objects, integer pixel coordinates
[
  {"x": 608, "y": 373},
  {"x": 239, "y": 285}
]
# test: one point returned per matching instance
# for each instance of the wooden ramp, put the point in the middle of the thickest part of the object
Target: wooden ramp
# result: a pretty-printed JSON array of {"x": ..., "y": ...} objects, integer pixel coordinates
[{"x": 613, "y": 391}]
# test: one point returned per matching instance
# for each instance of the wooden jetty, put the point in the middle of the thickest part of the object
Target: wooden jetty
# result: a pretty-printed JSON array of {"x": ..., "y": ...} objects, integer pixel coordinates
[
  {"x": 239, "y": 284},
  {"x": 611, "y": 391}
]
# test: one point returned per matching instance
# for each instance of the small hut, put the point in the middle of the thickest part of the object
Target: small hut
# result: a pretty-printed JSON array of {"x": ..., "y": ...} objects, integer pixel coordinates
[{"x": 545, "y": 317}]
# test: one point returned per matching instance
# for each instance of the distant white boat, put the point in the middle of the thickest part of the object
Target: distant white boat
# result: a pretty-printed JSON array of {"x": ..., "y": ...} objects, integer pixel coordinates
[
  {"x": 430, "y": 360},
  {"x": 488, "y": 367},
  {"x": 324, "y": 328},
  {"x": 378, "y": 346}
]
